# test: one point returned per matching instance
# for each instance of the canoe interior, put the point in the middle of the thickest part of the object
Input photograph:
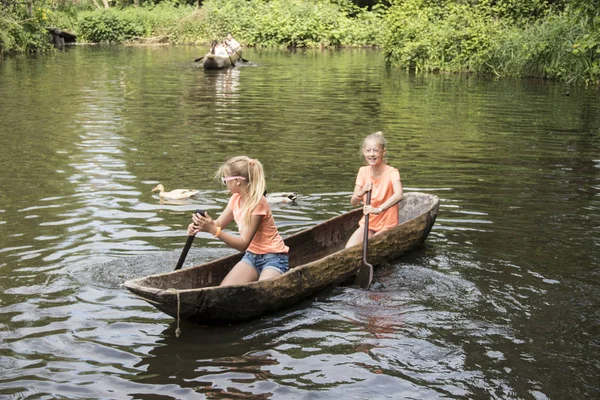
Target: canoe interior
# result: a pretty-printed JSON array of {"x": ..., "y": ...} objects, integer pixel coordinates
[{"x": 305, "y": 247}]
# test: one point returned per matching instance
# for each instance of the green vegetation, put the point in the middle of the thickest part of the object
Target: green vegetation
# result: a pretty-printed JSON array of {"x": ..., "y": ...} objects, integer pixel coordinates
[
  {"x": 558, "y": 39},
  {"x": 290, "y": 23},
  {"x": 22, "y": 28},
  {"x": 150, "y": 24},
  {"x": 294, "y": 23},
  {"x": 506, "y": 38}
]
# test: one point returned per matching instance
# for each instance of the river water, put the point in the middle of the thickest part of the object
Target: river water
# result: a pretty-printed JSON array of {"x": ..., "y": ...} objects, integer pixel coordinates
[{"x": 501, "y": 302}]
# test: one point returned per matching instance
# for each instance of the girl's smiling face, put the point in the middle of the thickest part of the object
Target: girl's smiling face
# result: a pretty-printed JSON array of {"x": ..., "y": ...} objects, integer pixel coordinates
[{"x": 373, "y": 152}]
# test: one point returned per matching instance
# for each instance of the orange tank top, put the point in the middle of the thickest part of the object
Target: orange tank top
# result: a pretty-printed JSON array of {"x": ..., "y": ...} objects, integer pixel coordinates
[
  {"x": 267, "y": 238},
  {"x": 382, "y": 190}
]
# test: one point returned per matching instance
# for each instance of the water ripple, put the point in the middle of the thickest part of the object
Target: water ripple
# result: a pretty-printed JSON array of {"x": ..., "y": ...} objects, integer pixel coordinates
[{"x": 481, "y": 310}]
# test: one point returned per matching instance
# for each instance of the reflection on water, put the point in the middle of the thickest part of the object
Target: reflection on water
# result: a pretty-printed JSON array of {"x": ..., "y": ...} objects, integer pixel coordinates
[
  {"x": 226, "y": 85},
  {"x": 223, "y": 362},
  {"x": 501, "y": 302}
]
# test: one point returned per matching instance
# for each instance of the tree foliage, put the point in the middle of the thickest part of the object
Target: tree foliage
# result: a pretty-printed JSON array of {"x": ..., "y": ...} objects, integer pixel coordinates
[{"x": 22, "y": 27}]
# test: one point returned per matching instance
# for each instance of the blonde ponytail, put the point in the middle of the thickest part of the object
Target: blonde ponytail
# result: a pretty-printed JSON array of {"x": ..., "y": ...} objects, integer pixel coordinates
[{"x": 256, "y": 189}]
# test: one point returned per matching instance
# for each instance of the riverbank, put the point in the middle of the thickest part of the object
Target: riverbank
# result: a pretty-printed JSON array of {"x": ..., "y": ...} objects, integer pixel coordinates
[{"x": 528, "y": 39}]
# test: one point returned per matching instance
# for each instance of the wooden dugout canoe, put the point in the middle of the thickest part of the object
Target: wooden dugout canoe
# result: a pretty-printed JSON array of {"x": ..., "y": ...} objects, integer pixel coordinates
[
  {"x": 212, "y": 61},
  {"x": 317, "y": 260}
]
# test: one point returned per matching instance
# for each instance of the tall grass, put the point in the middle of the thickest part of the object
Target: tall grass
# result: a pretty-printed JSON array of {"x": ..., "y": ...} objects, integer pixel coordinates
[
  {"x": 458, "y": 38},
  {"x": 564, "y": 46}
]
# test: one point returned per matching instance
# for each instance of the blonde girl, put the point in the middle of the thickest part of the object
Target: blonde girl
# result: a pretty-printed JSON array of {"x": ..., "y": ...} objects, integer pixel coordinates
[
  {"x": 266, "y": 255},
  {"x": 386, "y": 189}
]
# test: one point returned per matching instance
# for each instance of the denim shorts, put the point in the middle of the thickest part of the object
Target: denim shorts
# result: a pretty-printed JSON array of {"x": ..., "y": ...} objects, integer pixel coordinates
[{"x": 260, "y": 262}]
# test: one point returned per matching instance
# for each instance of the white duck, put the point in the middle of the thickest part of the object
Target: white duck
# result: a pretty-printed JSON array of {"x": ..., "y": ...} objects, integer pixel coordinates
[
  {"x": 175, "y": 194},
  {"x": 281, "y": 197}
]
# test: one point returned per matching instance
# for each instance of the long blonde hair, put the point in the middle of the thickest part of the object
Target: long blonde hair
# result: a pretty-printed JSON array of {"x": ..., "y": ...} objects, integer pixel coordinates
[{"x": 252, "y": 170}]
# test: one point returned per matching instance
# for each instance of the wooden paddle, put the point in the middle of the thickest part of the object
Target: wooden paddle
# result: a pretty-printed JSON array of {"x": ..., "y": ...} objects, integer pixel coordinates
[
  {"x": 198, "y": 59},
  {"x": 242, "y": 59},
  {"x": 188, "y": 244},
  {"x": 365, "y": 273},
  {"x": 231, "y": 60}
]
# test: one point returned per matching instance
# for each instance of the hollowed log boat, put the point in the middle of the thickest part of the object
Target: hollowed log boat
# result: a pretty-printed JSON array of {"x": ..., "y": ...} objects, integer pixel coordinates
[
  {"x": 317, "y": 257},
  {"x": 213, "y": 61}
]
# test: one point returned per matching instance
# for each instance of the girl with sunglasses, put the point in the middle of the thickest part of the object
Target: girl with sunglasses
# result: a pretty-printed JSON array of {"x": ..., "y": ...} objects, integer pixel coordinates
[{"x": 266, "y": 255}]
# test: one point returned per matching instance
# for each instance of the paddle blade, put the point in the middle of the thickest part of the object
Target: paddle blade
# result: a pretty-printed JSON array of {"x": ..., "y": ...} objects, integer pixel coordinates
[
  {"x": 198, "y": 59},
  {"x": 364, "y": 277}
]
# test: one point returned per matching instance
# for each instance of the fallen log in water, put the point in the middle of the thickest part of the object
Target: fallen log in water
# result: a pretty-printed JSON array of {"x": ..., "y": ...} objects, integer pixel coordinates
[{"x": 60, "y": 37}]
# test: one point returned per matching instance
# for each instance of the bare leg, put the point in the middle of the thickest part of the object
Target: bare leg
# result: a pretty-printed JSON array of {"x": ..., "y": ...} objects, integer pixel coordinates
[
  {"x": 357, "y": 236},
  {"x": 268, "y": 273},
  {"x": 240, "y": 273}
]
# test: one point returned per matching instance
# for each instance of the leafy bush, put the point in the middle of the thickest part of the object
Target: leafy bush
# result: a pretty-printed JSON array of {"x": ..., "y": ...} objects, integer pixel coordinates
[
  {"x": 364, "y": 28},
  {"x": 292, "y": 23},
  {"x": 189, "y": 29},
  {"x": 109, "y": 26},
  {"x": 21, "y": 31},
  {"x": 116, "y": 26},
  {"x": 432, "y": 38}
]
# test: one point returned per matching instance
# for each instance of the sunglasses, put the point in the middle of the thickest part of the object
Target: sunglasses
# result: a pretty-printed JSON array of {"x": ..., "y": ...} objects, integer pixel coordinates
[{"x": 230, "y": 178}]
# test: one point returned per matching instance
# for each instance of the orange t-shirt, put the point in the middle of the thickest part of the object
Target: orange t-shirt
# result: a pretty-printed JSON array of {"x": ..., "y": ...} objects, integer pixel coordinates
[
  {"x": 382, "y": 190},
  {"x": 267, "y": 238}
]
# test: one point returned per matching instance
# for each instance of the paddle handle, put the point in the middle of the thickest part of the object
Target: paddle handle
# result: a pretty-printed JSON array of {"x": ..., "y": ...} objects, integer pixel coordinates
[
  {"x": 184, "y": 253},
  {"x": 188, "y": 244},
  {"x": 364, "y": 275},
  {"x": 241, "y": 58},
  {"x": 366, "y": 235}
]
